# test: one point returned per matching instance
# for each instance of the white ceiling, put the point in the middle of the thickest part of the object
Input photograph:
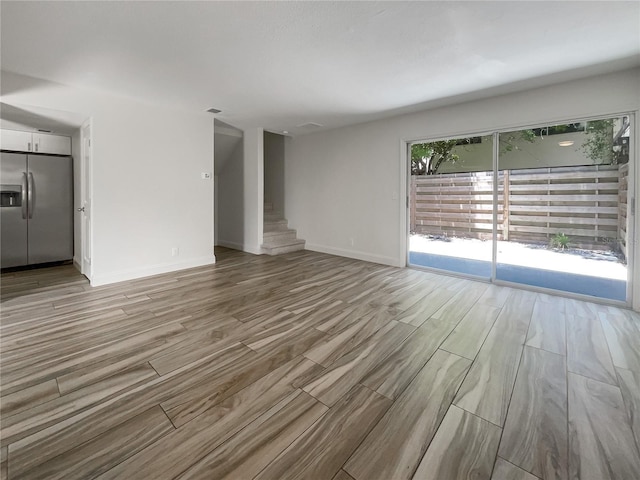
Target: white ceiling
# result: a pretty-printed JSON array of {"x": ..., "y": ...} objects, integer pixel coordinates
[
  {"x": 282, "y": 64},
  {"x": 34, "y": 118}
]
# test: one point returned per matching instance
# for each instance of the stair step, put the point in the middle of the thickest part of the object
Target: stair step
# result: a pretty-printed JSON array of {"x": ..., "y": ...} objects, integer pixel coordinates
[
  {"x": 290, "y": 246},
  {"x": 275, "y": 235},
  {"x": 276, "y": 223},
  {"x": 268, "y": 206},
  {"x": 283, "y": 240},
  {"x": 274, "y": 216},
  {"x": 275, "y": 227}
]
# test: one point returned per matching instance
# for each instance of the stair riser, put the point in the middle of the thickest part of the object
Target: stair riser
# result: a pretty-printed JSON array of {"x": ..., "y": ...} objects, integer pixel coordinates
[
  {"x": 276, "y": 221},
  {"x": 281, "y": 242},
  {"x": 284, "y": 249},
  {"x": 273, "y": 228},
  {"x": 270, "y": 237}
]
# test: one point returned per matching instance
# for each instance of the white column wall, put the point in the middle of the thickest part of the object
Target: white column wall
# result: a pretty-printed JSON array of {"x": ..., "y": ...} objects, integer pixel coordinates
[{"x": 253, "y": 142}]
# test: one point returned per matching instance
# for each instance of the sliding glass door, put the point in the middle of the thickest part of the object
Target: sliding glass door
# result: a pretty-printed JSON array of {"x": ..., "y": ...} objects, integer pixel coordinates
[
  {"x": 565, "y": 203},
  {"x": 544, "y": 207},
  {"x": 451, "y": 205}
]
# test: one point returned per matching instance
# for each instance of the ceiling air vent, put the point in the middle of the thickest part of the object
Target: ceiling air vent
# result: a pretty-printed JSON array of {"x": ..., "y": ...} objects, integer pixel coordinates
[
  {"x": 42, "y": 130},
  {"x": 214, "y": 110},
  {"x": 310, "y": 125}
]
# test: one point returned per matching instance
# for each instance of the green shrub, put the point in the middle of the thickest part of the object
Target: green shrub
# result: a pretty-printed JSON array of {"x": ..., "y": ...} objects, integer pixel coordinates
[{"x": 560, "y": 240}]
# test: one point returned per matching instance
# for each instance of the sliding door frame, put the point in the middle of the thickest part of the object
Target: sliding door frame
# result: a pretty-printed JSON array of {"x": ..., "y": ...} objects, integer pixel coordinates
[
  {"x": 406, "y": 166},
  {"x": 632, "y": 290}
]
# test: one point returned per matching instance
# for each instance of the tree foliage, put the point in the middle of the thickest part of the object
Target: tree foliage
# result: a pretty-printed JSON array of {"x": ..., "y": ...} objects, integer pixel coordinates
[
  {"x": 428, "y": 157},
  {"x": 598, "y": 146},
  {"x": 508, "y": 141}
]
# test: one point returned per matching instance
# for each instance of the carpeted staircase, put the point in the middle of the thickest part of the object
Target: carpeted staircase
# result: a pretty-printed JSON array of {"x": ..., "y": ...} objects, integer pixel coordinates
[{"x": 278, "y": 237}]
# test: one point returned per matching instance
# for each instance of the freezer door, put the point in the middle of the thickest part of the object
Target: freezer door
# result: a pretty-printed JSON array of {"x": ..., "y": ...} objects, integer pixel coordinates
[
  {"x": 50, "y": 208},
  {"x": 13, "y": 217}
]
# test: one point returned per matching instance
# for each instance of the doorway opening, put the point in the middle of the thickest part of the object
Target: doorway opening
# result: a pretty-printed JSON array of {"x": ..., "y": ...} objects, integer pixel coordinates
[
  {"x": 58, "y": 133},
  {"x": 228, "y": 185}
]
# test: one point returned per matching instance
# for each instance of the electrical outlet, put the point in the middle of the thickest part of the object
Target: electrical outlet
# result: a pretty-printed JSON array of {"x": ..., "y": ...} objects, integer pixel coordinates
[
  {"x": 175, "y": 251},
  {"x": 205, "y": 175}
]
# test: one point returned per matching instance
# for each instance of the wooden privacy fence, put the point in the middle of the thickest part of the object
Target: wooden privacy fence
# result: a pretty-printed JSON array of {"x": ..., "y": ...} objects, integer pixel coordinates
[
  {"x": 623, "y": 188},
  {"x": 588, "y": 204}
]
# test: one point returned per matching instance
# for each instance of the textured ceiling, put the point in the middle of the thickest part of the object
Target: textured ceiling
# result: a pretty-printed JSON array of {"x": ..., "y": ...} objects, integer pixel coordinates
[{"x": 283, "y": 64}]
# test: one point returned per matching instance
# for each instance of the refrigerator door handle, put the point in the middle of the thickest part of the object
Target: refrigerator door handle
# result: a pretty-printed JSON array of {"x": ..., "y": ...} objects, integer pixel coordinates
[
  {"x": 31, "y": 194},
  {"x": 24, "y": 195}
]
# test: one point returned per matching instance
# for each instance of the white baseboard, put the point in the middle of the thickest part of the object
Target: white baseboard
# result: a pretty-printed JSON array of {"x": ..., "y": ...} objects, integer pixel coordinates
[
  {"x": 240, "y": 246},
  {"x": 123, "y": 275},
  {"x": 228, "y": 244},
  {"x": 254, "y": 250},
  {"x": 367, "y": 257},
  {"x": 76, "y": 264}
]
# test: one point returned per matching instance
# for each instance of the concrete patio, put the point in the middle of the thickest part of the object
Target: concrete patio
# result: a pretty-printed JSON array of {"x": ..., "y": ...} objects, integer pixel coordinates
[{"x": 595, "y": 273}]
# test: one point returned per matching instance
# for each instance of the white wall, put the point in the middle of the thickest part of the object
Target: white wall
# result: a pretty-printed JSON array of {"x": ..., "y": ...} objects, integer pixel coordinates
[
  {"x": 76, "y": 152},
  {"x": 274, "y": 170},
  {"x": 231, "y": 200},
  {"x": 345, "y": 188},
  {"x": 253, "y": 203},
  {"x": 13, "y": 125},
  {"x": 216, "y": 204},
  {"x": 147, "y": 192}
]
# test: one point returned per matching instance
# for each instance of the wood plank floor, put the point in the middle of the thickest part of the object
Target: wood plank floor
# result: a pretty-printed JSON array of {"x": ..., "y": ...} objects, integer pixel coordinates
[{"x": 310, "y": 366}]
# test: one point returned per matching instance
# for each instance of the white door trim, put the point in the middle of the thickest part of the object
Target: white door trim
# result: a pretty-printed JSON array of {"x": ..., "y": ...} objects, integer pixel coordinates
[
  {"x": 633, "y": 215},
  {"x": 86, "y": 177}
]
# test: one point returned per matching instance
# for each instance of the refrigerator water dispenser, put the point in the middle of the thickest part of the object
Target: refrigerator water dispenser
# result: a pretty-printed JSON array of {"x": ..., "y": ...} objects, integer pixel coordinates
[{"x": 10, "y": 195}]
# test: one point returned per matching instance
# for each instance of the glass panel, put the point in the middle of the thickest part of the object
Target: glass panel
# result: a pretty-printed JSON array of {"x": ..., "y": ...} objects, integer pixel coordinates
[
  {"x": 564, "y": 204},
  {"x": 451, "y": 205}
]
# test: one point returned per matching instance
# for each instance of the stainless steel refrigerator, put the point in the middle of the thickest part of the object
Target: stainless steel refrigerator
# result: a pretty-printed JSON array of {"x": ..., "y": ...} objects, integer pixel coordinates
[{"x": 36, "y": 209}]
